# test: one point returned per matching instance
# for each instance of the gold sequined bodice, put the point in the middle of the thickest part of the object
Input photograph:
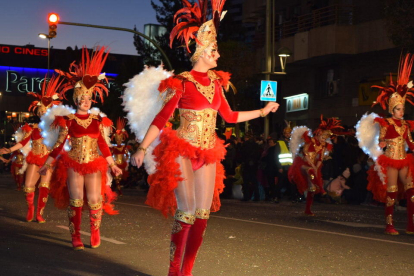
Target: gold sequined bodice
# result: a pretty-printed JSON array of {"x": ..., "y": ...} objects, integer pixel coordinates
[
  {"x": 84, "y": 149},
  {"x": 38, "y": 148},
  {"x": 198, "y": 127},
  {"x": 395, "y": 148},
  {"x": 18, "y": 159}
]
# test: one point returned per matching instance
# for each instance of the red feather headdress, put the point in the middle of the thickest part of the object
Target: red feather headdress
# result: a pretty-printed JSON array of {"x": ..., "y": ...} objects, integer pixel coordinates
[
  {"x": 120, "y": 130},
  {"x": 86, "y": 78},
  {"x": 396, "y": 93},
  {"x": 191, "y": 23},
  {"x": 48, "y": 96},
  {"x": 328, "y": 127}
]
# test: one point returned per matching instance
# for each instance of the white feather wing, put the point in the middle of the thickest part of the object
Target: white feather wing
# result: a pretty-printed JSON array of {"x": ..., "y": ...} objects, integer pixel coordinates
[
  {"x": 142, "y": 102},
  {"x": 367, "y": 133},
  {"x": 50, "y": 135},
  {"x": 18, "y": 136},
  {"x": 296, "y": 140}
]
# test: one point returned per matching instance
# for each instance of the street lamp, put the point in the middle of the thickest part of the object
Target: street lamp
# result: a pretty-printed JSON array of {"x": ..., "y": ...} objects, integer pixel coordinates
[
  {"x": 44, "y": 36},
  {"x": 283, "y": 54}
]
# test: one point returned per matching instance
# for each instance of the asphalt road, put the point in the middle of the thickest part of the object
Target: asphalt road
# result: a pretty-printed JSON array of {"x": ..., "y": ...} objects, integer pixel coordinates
[{"x": 244, "y": 238}]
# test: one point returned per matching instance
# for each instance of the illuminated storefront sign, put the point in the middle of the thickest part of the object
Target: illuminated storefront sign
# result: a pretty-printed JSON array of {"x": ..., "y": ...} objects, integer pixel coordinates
[
  {"x": 17, "y": 50},
  {"x": 20, "y": 80},
  {"x": 297, "y": 102}
]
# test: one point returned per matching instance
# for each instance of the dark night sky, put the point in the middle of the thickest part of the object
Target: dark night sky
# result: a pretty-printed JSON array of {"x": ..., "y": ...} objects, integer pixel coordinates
[{"x": 22, "y": 20}]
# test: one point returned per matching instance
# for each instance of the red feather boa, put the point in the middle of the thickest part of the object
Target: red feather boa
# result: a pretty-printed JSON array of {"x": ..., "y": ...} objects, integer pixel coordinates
[
  {"x": 163, "y": 182},
  {"x": 58, "y": 185}
]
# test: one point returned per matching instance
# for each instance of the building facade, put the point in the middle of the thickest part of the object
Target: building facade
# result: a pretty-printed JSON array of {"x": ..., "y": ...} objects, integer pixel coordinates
[{"x": 339, "y": 50}]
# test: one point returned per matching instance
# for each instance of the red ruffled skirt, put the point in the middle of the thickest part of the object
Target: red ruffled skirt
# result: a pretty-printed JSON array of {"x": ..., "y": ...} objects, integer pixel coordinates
[
  {"x": 58, "y": 186},
  {"x": 297, "y": 177},
  {"x": 36, "y": 159},
  {"x": 163, "y": 182},
  {"x": 375, "y": 185}
]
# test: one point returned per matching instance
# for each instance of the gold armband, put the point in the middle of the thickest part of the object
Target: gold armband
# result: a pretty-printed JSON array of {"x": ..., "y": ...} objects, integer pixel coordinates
[
  {"x": 262, "y": 113},
  {"x": 49, "y": 166},
  {"x": 143, "y": 149},
  {"x": 111, "y": 165}
]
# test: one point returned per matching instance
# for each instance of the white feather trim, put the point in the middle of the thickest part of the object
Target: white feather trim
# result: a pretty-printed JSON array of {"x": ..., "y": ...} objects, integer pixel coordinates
[
  {"x": 18, "y": 136},
  {"x": 49, "y": 135},
  {"x": 142, "y": 102},
  {"x": 296, "y": 140},
  {"x": 107, "y": 129},
  {"x": 24, "y": 167},
  {"x": 109, "y": 178},
  {"x": 367, "y": 133}
]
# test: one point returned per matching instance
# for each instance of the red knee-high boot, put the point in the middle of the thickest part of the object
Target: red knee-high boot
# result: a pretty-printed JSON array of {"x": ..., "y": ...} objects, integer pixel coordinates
[
  {"x": 179, "y": 234},
  {"x": 309, "y": 201},
  {"x": 41, "y": 201},
  {"x": 410, "y": 211},
  {"x": 194, "y": 241},
  {"x": 389, "y": 212},
  {"x": 95, "y": 218},
  {"x": 75, "y": 218},
  {"x": 30, "y": 194}
]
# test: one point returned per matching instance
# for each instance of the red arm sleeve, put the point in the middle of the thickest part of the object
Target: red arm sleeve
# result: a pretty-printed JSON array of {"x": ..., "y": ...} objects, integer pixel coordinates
[
  {"x": 27, "y": 135},
  {"x": 166, "y": 112},
  {"x": 103, "y": 146},
  {"x": 225, "y": 111}
]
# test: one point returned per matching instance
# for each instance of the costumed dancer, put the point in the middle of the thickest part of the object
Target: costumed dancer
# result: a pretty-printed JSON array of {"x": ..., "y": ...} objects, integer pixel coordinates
[
  {"x": 186, "y": 177},
  {"x": 18, "y": 159},
  {"x": 309, "y": 152},
  {"x": 392, "y": 172},
  {"x": 120, "y": 153},
  {"x": 38, "y": 152},
  {"x": 83, "y": 167}
]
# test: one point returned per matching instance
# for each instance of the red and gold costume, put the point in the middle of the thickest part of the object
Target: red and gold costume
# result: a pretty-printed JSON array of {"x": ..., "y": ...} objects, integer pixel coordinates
[
  {"x": 17, "y": 159},
  {"x": 396, "y": 134},
  {"x": 89, "y": 148},
  {"x": 189, "y": 175},
  {"x": 39, "y": 152},
  {"x": 120, "y": 153},
  {"x": 306, "y": 170}
]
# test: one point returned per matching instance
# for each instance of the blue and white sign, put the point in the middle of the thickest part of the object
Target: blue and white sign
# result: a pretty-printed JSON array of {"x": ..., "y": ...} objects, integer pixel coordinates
[{"x": 268, "y": 91}]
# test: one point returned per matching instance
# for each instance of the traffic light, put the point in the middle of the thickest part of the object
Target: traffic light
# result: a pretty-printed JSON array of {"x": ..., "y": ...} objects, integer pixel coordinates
[{"x": 53, "y": 19}]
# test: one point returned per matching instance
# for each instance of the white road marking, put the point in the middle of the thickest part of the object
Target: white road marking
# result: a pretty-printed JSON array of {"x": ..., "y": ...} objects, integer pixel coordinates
[
  {"x": 296, "y": 228},
  {"x": 314, "y": 230},
  {"x": 355, "y": 224},
  {"x": 88, "y": 234}
]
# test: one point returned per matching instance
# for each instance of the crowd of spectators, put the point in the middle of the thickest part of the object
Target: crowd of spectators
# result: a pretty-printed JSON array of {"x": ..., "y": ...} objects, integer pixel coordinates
[{"x": 253, "y": 172}]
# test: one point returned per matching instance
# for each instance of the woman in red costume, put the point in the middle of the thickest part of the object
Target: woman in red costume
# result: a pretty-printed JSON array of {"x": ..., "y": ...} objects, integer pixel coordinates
[
  {"x": 305, "y": 171},
  {"x": 392, "y": 173},
  {"x": 83, "y": 168},
  {"x": 39, "y": 152},
  {"x": 120, "y": 153},
  {"x": 189, "y": 176}
]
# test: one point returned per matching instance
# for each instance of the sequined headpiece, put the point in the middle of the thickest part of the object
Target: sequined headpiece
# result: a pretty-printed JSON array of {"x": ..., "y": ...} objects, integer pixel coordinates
[
  {"x": 191, "y": 23},
  {"x": 396, "y": 93},
  {"x": 86, "y": 78},
  {"x": 329, "y": 127},
  {"x": 49, "y": 95},
  {"x": 120, "y": 133}
]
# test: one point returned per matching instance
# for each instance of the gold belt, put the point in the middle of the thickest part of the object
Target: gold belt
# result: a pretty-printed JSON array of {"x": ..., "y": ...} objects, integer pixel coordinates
[
  {"x": 38, "y": 148},
  {"x": 396, "y": 148},
  {"x": 198, "y": 127},
  {"x": 84, "y": 149}
]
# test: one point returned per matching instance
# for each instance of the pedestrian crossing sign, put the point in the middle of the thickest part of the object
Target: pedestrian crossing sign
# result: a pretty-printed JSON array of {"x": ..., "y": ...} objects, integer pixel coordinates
[{"x": 268, "y": 91}]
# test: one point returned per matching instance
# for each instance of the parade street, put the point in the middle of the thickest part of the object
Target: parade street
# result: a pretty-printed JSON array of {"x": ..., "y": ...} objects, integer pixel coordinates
[{"x": 243, "y": 238}]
